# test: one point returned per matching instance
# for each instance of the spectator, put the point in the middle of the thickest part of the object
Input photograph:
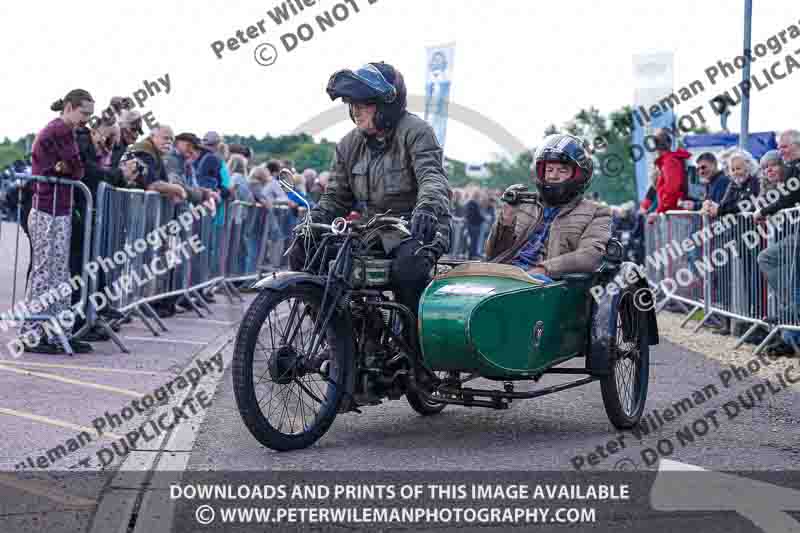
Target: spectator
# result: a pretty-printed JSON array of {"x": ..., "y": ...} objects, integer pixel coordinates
[
  {"x": 275, "y": 194},
  {"x": 789, "y": 147},
  {"x": 474, "y": 220},
  {"x": 744, "y": 171},
  {"x": 671, "y": 186},
  {"x": 457, "y": 204},
  {"x": 319, "y": 187},
  {"x": 130, "y": 128},
  {"x": 773, "y": 171},
  {"x": 244, "y": 215},
  {"x": 272, "y": 189},
  {"x": 213, "y": 142},
  {"x": 239, "y": 182},
  {"x": 179, "y": 173},
  {"x": 650, "y": 202},
  {"x": 242, "y": 150},
  {"x": 152, "y": 151},
  {"x": 714, "y": 181},
  {"x": 771, "y": 261},
  {"x": 309, "y": 178},
  {"x": 95, "y": 148},
  {"x": 207, "y": 172},
  {"x": 104, "y": 137},
  {"x": 55, "y": 153},
  {"x": 257, "y": 181}
]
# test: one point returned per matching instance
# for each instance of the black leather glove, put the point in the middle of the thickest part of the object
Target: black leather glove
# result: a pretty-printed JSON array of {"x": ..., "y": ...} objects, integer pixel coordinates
[{"x": 424, "y": 224}]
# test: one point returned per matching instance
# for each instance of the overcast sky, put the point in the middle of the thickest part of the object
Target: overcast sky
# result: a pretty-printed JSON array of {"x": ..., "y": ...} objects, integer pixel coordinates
[{"x": 523, "y": 63}]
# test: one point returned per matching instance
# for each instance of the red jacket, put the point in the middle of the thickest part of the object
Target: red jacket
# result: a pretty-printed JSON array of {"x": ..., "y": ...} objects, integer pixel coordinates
[{"x": 671, "y": 185}]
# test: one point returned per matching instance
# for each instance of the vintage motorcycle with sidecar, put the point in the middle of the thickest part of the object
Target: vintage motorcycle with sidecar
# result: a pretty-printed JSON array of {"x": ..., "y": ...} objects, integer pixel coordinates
[{"x": 331, "y": 339}]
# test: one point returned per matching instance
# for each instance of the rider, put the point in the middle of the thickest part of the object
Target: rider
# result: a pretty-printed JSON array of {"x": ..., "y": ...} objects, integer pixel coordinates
[
  {"x": 390, "y": 161},
  {"x": 562, "y": 233}
]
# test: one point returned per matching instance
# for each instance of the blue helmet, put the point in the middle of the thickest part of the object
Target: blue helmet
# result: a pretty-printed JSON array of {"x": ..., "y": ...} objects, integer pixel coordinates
[{"x": 374, "y": 83}]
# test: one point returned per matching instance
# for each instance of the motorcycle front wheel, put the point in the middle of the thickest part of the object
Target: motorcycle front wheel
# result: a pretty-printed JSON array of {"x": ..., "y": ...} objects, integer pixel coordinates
[{"x": 288, "y": 379}]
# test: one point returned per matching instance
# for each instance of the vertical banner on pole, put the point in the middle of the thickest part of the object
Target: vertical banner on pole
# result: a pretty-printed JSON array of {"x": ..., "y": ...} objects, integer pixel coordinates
[
  {"x": 438, "y": 81},
  {"x": 653, "y": 78}
]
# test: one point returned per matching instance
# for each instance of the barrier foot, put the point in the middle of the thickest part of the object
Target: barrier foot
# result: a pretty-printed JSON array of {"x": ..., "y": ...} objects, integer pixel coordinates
[
  {"x": 199, "y": 300},
  {"x": 226, "y": 286},
  {"x": 152, "y": 312},
  {"x": 144, "y": 320},
  {"x": 112, "y": 334},
  {"x": 237, "y": 293},
  {"x": 234, "y": 291},
  {"x": 688, "y": 316},
  {"x": 703, "y": 322},
  {"x": 765, "y": 342},
  {"x": 62, "y": 338},
  {"x": 744, "y": 337},
  {"x": 187, "y": 297}
]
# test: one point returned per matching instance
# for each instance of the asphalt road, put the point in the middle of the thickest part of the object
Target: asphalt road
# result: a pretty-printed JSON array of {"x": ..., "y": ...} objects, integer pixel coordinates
[{"x": 545, "y": 433}]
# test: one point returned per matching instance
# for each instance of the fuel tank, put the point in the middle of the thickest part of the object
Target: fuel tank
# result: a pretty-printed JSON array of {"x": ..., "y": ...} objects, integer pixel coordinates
[{"x": 499, "y": 322}]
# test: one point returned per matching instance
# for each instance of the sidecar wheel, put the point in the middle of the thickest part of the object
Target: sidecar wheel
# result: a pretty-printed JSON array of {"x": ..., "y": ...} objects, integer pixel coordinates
[
  {"x": 287, "y": 397},
  {"x": 625, "y": 388},
  {"x": 423, "y": 407}
]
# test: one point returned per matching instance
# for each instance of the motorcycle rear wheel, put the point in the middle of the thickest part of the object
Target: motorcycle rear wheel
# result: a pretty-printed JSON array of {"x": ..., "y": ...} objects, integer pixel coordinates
[{"x": 423, "y": 406}]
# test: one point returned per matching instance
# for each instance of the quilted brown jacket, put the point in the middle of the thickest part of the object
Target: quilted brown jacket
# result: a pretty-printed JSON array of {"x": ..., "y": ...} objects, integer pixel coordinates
[{"x": 577, "y": 240}]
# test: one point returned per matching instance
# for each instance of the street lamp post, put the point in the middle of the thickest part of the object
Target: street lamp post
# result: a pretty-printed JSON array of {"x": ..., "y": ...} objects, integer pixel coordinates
[{"x": 748, "y": 17}]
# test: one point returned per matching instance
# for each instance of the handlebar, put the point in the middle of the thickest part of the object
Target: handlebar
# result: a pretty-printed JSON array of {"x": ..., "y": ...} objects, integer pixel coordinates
[{"x": 340, "y": 225}]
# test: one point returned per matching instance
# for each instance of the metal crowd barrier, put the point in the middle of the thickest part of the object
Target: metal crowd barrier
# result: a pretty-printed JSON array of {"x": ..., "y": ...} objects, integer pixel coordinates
[
  {"x": 247, "y": 235},
  {"x": 677, "y": 227},
  {"x": 783, "y": 295},
  {"x": 130, "y": 245},
  {"x": 727, "y": 281},
  {"x": 19, "y": 311}
]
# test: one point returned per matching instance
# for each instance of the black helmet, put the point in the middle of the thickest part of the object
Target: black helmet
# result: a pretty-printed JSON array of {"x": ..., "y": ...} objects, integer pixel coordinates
[
  {"x": 567, "y": 149},
  {"x": 374, "y": 83}
]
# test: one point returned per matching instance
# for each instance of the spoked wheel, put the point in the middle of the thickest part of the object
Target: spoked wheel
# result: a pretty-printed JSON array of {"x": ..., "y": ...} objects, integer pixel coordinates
[
  {"x": 426, "y": 407},
  {"x": 287, "y": 395},
  {"x": 625, "y": 388}
]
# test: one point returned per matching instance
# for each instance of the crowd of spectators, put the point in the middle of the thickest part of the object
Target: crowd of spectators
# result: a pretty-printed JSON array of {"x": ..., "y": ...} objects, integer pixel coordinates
[
  {"x": 185, "y": 168},
  {"x": 728, "y": 179}
]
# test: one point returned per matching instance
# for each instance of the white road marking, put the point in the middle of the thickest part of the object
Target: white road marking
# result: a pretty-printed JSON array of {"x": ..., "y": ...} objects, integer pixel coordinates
[
  {"x": 70, "y": 381},
  {"x": 168, "y": 341},
  {"x": 57, "y": 423}
]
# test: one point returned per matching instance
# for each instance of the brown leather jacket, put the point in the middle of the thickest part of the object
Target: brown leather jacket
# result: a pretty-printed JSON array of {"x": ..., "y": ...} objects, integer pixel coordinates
[
  {"x": 407, "y": 173},
  {"x": 576, "y": 243}
]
